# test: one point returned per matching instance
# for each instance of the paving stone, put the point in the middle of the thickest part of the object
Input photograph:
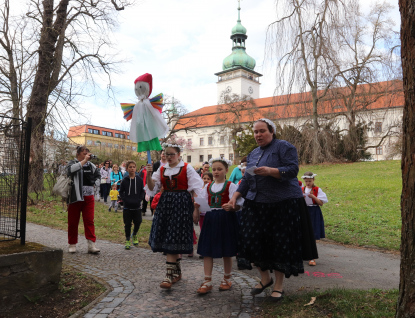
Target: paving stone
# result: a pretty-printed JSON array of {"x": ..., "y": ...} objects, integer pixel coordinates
[{"x": 135, "y": 277}]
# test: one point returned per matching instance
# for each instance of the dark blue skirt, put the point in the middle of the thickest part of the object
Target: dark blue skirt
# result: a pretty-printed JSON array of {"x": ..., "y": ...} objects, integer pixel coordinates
[
  {"x": 317, "y": 220},
  {"x": 172, "y": 228},
  {"x": 271, "y": 235},
  {"x": 219, "y": 236}
]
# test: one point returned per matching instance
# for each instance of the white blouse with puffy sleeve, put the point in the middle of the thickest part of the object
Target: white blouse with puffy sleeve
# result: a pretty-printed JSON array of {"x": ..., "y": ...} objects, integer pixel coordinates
[{"x": 194, "y": 181}]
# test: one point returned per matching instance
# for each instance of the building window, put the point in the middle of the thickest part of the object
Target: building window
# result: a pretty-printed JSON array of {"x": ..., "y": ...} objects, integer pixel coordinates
[
  {"x": 189, "y": 159},
  {"x": 109, "y": 134},
  {"x": 378, "y": 127},
  {"x": 116, "y": 146},
  {"x": 89, "y": 142},
  {"x": 104, "y": 133},
  {"x": 122, "y": 136},
  {"x": 222, "y": 155},
  {"x": 103, "y": 144},
  {"x": 128, "y": 137},
  {"x": 134, "y": 148},
  {"x": 117, "y": 135},
  {"x": 210, "y": 141},
  {"x": 110, "y": 145},
  {"x": 231, "y": 156},
  {"x": 128, "y": 147},
  {"x": 202, "y": 142},
  {"x": 209, "y": 157},
  {"x": 222, "y": 140},
  {"x": 201, "y": 158},
  {"x": 97, "y": 143},
  {"x": 122, "y": 147},
  {"x": 379, "y": 150},
  {"x": 93, "y": 131},
  {"x": 189, "y": 141}
]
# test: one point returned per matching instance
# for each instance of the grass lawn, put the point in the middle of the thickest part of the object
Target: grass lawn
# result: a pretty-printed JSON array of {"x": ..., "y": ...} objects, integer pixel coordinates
[
  {"x": 364, "y": 202},
  {"x": 108, "y": 225},
  {"x": 336, "y": 303}
]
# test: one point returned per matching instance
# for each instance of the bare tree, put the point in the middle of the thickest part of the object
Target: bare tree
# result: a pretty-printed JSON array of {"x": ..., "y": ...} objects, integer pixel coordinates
[
  {"x": 175, "y": 114},
  {"x": 362, "y": 53},
  {"x": 406, "y": 300},
  {"x": 50, "y": 57},
  {"x": 299, "y": 41},
  {"x": 233, "y": 115}
]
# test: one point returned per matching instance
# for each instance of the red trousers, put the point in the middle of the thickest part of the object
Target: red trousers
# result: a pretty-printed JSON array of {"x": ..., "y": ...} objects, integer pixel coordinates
[
  {"x": 74, "y": 213},
  {"x": 201, "y": 218}
]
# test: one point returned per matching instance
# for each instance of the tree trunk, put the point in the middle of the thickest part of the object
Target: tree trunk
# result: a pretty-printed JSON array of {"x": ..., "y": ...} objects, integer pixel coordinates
[
  {"x": 316, "y": 144},
  {"x": 37, "y": 107},
  {"x": 406, "y": 301}
]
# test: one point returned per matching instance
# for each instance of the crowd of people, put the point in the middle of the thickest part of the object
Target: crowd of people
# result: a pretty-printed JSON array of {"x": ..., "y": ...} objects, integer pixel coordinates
[{"x": 262, "y": 214}]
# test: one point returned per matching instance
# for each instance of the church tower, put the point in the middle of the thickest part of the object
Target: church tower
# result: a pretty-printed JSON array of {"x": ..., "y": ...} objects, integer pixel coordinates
[{"x": 238, "y": 75}]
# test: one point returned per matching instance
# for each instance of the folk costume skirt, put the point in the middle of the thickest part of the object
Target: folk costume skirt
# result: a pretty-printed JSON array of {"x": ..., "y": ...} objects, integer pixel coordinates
[
  {"x": 271, "y": 235},
  {"x": 219, "y": 235},
  {"x": 172, "y": 228},
  {"x": 317, "y": 220}
]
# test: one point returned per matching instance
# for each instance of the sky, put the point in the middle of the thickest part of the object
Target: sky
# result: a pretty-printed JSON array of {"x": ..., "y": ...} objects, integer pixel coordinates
[{"x": 182, "y": 43}]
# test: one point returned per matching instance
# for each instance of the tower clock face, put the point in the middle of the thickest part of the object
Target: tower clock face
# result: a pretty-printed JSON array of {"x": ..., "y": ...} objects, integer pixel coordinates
[
  {"x": 228, "y": 89},
  {"x": 250, "y": 90}
]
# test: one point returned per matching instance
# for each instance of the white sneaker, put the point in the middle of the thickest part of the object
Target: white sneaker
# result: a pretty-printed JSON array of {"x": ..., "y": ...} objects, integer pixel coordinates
[
  {"x": 92, "y": 249},
  {"x": 72, "y": 248}
]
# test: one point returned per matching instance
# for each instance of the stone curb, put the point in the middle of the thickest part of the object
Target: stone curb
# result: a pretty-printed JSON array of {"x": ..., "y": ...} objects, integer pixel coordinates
[{"x": 92, "y": 304}]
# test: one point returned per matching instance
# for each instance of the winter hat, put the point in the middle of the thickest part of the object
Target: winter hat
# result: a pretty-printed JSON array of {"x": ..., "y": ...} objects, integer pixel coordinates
[{"x": 146, "y": 78}]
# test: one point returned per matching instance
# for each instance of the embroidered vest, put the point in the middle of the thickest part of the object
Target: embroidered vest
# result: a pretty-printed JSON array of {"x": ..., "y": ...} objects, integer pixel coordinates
[
  {"x": 216, "y": 199},
  {"x": 178, "y": 181},
  {"x": 314, "y": 190}
]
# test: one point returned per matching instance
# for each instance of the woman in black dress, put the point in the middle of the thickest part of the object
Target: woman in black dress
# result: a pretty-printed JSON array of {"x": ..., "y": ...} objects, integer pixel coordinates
[{"x": 275, "y": 230}]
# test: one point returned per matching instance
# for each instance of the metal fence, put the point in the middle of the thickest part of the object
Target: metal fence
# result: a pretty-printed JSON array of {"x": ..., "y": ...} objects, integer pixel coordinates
[{"x": 14, "y": 170}]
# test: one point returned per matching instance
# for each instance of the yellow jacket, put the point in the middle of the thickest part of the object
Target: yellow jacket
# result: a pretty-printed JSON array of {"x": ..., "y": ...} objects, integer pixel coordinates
[{"x": 114, "y": 195}]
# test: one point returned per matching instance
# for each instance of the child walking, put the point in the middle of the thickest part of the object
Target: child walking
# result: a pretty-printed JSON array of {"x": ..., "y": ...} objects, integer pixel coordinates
[
  {"x": 219, "y": 235},
  {"x": 131, "y": 193},
  {"x": 314, "y": 198},
  {"x": 172, "y": 228},
  {"x": 113, "y": 197}
]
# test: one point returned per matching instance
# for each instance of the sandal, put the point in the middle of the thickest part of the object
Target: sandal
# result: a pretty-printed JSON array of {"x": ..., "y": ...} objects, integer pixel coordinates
[
  {"x": 205, "y": 287},
  {"x": 225, "y": 285},
  {"x": 276, "y": 299},
  {"x": 312, "y": 263},
  {"x": 256, "y": 291}
]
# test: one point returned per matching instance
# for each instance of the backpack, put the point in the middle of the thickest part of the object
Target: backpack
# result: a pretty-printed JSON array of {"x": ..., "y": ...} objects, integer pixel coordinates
[{"x": 63, "y": 186}]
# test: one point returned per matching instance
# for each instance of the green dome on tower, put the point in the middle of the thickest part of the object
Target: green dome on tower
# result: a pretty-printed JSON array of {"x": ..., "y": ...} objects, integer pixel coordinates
[
  {"x": 238, "y": 56},
  {"x": 238, "y": 28}
]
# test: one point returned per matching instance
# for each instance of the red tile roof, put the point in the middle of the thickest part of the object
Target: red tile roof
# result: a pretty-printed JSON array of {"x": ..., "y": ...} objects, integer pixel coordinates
[
  {"x": 76, "y": 131},
  {"x": 380, "y": 95}
]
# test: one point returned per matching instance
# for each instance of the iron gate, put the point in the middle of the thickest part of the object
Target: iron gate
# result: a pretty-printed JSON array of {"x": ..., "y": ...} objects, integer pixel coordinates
[{"x": 14, "y": 170}]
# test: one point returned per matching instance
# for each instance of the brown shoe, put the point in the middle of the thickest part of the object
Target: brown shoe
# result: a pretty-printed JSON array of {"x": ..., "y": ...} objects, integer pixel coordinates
[
  {"x": 166, "y": 284},
  {"x": 168, "y": 280},
  {"x": 226, "y": 284},
  {"x": 312, "y": 263},
  {"x": 206, "y": 286}
]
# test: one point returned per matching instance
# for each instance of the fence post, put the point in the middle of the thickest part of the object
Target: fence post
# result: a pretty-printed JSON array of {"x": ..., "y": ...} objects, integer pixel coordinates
[{"x": 23, "y": 208}]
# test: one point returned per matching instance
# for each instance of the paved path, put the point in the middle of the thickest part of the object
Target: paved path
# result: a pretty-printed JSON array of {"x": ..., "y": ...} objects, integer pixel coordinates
[{"x": 135, "y": 276}]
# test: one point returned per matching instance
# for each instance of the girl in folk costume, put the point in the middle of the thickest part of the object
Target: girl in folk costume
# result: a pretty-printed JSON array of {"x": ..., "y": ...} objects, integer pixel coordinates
[
  {"x": 207, "y": 179},
  {"x": 219, "y": 235},
  {"x": 172, "y": 228},
  {"x": 314, "y": 198}
]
